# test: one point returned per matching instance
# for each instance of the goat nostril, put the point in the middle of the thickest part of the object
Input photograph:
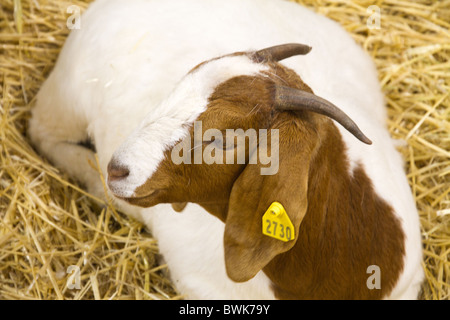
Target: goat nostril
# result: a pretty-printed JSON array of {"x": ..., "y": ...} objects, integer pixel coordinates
[{"x": 117, "y": 172}]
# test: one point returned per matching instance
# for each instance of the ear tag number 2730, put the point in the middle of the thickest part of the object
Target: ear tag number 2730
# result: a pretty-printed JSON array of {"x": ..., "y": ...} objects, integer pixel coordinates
[{"x": 276, "y": 223}]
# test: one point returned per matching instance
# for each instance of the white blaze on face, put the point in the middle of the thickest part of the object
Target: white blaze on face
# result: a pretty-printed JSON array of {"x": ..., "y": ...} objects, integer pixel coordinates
[{"x": 168, "y": 123}]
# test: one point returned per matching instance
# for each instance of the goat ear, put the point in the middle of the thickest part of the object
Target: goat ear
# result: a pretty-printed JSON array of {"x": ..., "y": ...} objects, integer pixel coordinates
[{"x": 247, "y": 249}]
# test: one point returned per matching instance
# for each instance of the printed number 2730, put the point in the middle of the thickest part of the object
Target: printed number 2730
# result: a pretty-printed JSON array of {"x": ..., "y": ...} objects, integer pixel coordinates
[{"x": 278, "y": 230}]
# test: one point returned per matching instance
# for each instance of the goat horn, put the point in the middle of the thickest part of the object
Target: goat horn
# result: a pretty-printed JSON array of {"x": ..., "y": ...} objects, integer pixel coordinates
[
  {"x": 295, "y": 100},
  {"x": 281, "y": 52}
]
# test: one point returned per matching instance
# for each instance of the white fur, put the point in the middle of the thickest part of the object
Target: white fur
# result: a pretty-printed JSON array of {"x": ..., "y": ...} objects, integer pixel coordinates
[{"x": 129, "y": 61}]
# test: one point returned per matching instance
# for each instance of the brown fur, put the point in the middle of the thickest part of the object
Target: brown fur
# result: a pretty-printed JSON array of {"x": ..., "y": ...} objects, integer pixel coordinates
[
  {"x": 342, "y": 226},
  {"x": 346, "y": 228}
]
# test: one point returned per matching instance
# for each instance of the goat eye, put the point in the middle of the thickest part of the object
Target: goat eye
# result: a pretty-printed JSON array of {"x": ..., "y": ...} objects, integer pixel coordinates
[
  {"x": 220, "y": 143},
  {"x": 228, "y": 146}
]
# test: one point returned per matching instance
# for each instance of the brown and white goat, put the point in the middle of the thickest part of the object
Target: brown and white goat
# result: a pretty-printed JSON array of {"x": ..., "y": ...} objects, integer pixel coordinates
[{"x": 356, "y": 230}]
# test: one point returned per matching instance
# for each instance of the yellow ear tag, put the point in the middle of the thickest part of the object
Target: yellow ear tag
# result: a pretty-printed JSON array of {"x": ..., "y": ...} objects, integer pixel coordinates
[{"x": 276, "y": 223}]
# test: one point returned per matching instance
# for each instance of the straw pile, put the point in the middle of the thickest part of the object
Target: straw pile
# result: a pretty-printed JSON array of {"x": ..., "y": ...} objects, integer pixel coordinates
[{"x": 50, "y": 228}]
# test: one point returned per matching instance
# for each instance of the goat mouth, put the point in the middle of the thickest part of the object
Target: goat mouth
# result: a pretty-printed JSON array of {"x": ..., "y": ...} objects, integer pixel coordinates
[
  {"x": 143, "y": 202},
  {"x": 139, "y": 197}
]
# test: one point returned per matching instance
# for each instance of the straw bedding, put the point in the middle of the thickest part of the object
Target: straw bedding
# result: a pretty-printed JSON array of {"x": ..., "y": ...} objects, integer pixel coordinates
[{"x": 48, "y": 223}]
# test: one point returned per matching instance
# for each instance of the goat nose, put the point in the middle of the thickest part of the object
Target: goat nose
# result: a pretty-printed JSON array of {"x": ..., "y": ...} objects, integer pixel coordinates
[{"x": 116, "y": 171}]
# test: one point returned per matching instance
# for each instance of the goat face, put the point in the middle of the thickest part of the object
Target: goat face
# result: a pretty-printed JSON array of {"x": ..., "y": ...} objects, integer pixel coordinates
[
  {"x": 217, "y": 95},
  {"x": 187, "y": 172},
  {"x": 248, "y": 90}
]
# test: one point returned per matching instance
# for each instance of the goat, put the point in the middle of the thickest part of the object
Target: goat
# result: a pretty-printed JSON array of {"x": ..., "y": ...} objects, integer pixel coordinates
[{"x": 139, "y": 74}]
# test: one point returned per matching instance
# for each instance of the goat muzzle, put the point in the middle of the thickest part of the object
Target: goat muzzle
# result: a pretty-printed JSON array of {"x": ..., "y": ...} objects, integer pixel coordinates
[{"x": 117, "y": 172}]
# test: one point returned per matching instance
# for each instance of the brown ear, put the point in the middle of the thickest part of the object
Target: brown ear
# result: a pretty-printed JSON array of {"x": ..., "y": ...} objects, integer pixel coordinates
[{"x": 247, "y": 249}]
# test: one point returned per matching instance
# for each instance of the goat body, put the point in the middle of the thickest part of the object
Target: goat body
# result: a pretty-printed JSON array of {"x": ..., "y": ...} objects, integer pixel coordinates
[{"x": 139, "y": 73}]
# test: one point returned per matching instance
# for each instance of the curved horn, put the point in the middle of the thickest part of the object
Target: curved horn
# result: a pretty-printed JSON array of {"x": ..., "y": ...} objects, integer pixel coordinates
[
  {"x": 281, "y": 52},
  {"x": 293, "y": 99}
]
